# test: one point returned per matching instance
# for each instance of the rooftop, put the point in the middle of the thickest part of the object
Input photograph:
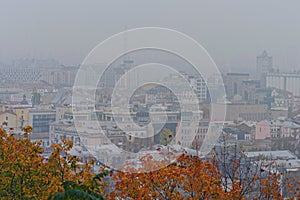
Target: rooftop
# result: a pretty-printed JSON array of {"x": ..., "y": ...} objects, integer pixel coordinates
[{"x": 272, "y": 155}]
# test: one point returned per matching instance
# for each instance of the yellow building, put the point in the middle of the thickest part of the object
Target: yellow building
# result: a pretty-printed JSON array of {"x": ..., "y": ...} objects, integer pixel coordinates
[
  {"x": 17, "y": 116},
  {"x": 10, "y": 118},
  {"x": 22, "y": 117},
  {"x": 2, "y": 107}
]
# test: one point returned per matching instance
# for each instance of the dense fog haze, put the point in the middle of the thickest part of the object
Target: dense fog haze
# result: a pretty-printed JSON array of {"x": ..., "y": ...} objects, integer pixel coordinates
[{"x": 234, "y": 32}]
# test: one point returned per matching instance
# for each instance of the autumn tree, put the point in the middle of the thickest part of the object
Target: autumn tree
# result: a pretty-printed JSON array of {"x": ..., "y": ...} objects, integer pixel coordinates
[
  {"x": 80, "y": 191},
  {"x": 260, "y": 178},
  {"x": 25, "y": 174},
  {"x": 187, "y": 178},
  {"x": 225, "y": 174}
]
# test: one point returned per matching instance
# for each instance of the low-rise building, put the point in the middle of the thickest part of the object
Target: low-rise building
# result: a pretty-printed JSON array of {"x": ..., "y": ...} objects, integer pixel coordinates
[
  {"x": 247, "y": 112},
  {"x": 40, "y": 119},
  {"x": 276, "y": 129},
  {"x": 9, "y": 118}
]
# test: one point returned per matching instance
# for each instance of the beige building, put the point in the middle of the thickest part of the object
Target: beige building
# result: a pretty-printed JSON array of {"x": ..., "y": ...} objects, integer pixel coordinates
[
  {"x": 241, "y": 112},
  {"x": 62, "y": 76},
  {"x": 16, "y": 116},
  {"x": 22, "y": 117},
  {"x": 10, "y": 118},
  {"x": 247, "y": 112},
  {"x": 21, "y": 112},
  {"x": 63, "y": 112}
]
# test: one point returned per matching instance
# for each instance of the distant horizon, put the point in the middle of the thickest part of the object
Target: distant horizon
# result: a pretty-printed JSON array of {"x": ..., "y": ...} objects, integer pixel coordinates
[
  {"x": 233, "y": 32},
  {"x": 223, "y": 69}
]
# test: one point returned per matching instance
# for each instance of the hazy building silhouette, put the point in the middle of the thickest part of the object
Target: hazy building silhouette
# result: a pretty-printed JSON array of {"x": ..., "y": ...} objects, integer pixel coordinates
[
  {"x": 284, "y": 81},
  {"x": 264, "y": 65},
  {"x": 234, "y": 84}
]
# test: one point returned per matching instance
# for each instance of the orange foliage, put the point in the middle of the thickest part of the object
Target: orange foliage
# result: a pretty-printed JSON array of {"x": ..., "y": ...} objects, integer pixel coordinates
[
  {"x": 189, "y": 178},
  {"x": 25, "y": 174}
]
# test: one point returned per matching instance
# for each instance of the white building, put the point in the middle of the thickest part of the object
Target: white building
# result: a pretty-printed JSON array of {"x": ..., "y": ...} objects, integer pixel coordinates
[
  {"x": 284, "y": 81},
  {"x": 200, "y": 88}
]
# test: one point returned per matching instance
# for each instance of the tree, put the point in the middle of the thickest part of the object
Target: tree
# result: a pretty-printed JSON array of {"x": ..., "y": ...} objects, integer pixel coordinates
[
  {"x": 259, "y": 178},
  {"x": 76, "y": 191},
  {"x": 188, "y": 178},
  {"x": 226, "y": 175},
  {"x": 25, "y": 174}
]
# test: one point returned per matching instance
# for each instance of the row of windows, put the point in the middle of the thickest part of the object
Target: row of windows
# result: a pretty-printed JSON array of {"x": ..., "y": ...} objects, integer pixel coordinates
[
  {"x": 253, "y": 116},
  {"x": 40, "y": 129},
  {"x": 50, "y": 117},
  {"x": 40, "y": 123},
  {"x": 199, "y": 137}
]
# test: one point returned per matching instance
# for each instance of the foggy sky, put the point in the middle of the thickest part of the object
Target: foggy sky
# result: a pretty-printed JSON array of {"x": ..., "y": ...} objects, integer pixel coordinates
[{"x": 233, "y": 31}]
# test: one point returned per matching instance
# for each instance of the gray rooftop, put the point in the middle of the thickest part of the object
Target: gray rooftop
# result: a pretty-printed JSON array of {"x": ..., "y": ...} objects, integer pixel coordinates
[{"x": 274, "y": 155}]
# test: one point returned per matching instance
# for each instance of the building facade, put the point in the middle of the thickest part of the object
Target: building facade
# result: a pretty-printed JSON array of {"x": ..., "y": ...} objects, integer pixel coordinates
[
  {"x": 40, "y": 119},
  {"x": 264, "y": 65},
  {"x": 276, "y": 129},
  {"x": 247, "y": 112},
  {"x": 234, "y": 84},
  {"x": 285, "y": 81}
]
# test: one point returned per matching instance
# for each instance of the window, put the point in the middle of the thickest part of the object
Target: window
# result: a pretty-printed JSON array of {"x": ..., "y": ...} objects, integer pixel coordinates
[{"x": 235, "y": 88}]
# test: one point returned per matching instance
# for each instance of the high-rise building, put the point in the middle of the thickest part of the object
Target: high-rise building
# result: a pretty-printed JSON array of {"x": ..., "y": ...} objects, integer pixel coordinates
[
  {"x": 200, "y": 88},
  {"x": 264, "y": 65}
]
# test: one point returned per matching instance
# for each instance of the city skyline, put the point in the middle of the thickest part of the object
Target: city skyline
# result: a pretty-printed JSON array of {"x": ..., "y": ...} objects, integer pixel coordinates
[
  {"x": 233, "y": 32},
  {"x": 149, "y": 99}
]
